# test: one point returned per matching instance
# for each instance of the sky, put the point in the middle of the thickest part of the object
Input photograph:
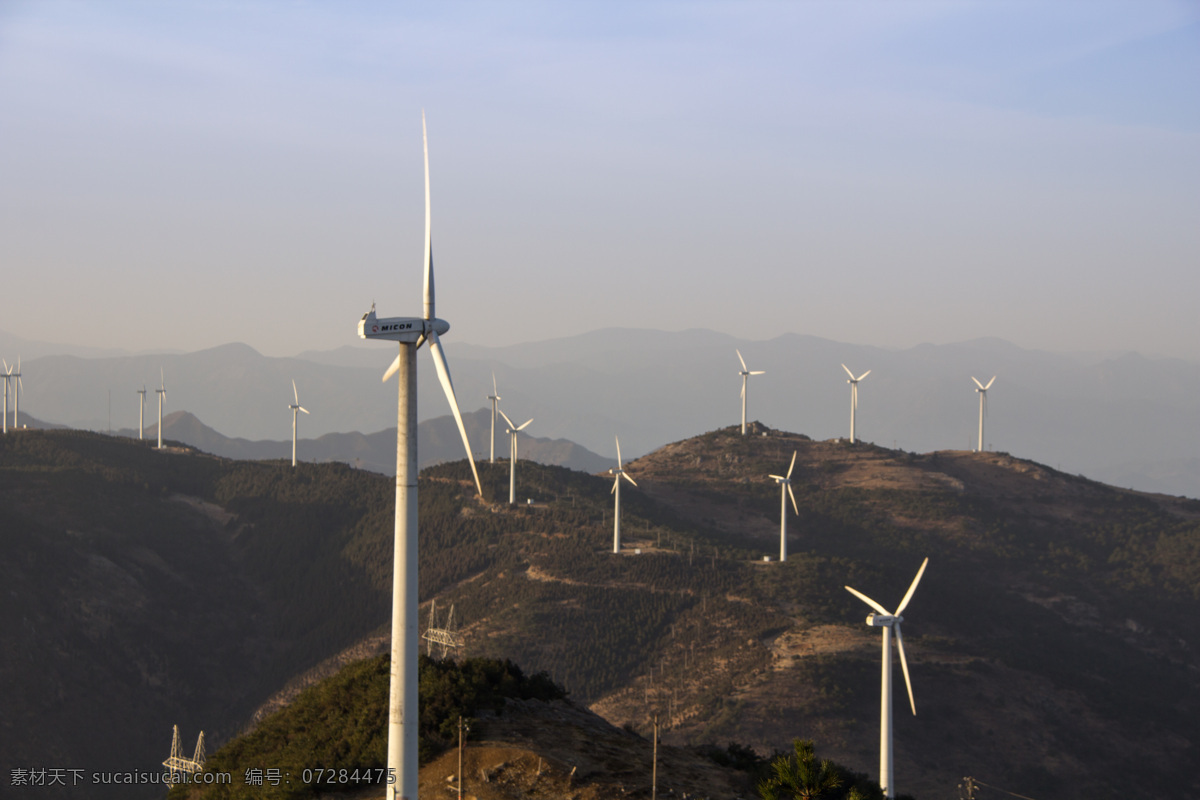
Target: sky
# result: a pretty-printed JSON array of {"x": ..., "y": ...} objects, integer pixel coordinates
[{"x": 182, "y": 175}]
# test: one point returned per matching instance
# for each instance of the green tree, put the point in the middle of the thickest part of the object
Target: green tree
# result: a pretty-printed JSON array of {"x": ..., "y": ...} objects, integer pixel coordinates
[{"x": 799, "y": 776}]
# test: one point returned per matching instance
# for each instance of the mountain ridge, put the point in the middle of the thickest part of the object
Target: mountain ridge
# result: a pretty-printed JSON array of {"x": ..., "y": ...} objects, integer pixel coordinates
[{"x": 1113, "y": 417}]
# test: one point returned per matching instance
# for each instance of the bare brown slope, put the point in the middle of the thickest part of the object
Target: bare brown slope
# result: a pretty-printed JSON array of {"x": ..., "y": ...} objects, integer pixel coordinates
[{"x": 1050, "y": 642}]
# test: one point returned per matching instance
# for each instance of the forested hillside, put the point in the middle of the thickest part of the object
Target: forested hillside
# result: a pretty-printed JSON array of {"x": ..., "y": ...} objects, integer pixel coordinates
[{"x": 1051, "y": 641}]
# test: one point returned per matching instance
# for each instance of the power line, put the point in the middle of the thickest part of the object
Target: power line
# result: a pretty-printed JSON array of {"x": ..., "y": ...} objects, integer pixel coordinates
[{"x": 966, "y": 789}]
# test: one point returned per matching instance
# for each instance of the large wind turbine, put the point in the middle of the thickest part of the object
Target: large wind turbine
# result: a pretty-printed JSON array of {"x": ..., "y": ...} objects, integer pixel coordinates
[
  {"x": 982, "y": 390},
  {"x": 853, "y": 397},
  {"x": 295, "y": 407},
  {"x": 785, "y": 491},
  {"x": 410, "y": 332},
  {"x": 162, "y": 393},
  {"x": 889, "y": 620},
  {"x": 141, "y": 410},
  {"x": 745, "y": 373},
  {"x": 495, "y": 398},
  {"x": 618, "y": 473},
  {"x": 512, "y": 456}
]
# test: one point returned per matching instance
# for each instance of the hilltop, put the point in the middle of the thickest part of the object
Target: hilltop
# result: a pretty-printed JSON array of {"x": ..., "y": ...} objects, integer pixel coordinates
[{"x": 1051, "y": 642}]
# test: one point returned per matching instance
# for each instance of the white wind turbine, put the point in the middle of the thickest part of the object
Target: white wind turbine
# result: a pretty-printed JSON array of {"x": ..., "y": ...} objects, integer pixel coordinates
[
  {"x": 889, "y": 620},
  {"x": 745, "y": 373},
  {"x": 853, "y": 397},
  {"x": 141, "y": 411},
  {"x": 785, "y": 491},
  {"x": 16, "y": 390},
  {"x": 162, "y": 394},
  {"x": 295, "y": 407},
  {"x": 410, "y": 333},
  {"x": 7, "y": 380},
  {"x": 618, "y": 473},
  {"x": 495, "y": 398},
  {"x": 982, "y": 391},
  {"x": 512, "y": 456}
]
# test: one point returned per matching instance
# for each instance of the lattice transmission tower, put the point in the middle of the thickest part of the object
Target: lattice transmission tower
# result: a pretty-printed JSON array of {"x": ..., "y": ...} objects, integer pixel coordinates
[
  {"x": 177, "y": 762},
  {"x": 445, "y": 637}
]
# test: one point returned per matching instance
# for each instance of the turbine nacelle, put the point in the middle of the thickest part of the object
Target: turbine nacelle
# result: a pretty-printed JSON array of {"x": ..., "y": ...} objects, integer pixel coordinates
[
  {"x": 883, "y": 620},
  {"x": 399, "y": 329}
]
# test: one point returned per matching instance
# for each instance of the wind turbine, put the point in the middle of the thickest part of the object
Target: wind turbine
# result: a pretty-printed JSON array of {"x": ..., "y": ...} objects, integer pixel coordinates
[
  {"x": 745, "y": 373},
  {"x": 512, "y": 456},
  {"x": 7, "y": 380},
  {"x": 295, "y": 407},
  {"x": 853, "y": 397},
  {"x": 410, "y": 333},
  {"x": 17, "y": 387},
  {"x": 495, "y": 398},
  {"x": 889, "y": 620},
  {"x": 162, "y": 394},
  {"x": 785, "y": 491},
  {"x": 982, "y": 391},
  {"x": 618, "y": 473},
  {"x": 141, "y": 410}
]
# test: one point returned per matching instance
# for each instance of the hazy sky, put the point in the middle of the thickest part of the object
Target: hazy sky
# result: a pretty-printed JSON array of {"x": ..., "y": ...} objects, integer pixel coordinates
[{"x": 185, "y": 174}]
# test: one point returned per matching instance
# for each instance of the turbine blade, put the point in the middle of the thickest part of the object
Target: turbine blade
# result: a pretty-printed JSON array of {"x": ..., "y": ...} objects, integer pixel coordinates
[
  {"x": 868, "y": 601},
  {"x": 443, "y": 371},
  {"x": 913, "y": 588},
  {"x": 616, "y": 483},
  {"x": 993, "y": 380},
  {"x": 523, "y": 425},
  {"x": 848, "y": 372},
  {"x": 793, "y": 465},
  {"x": 495, "y": 391},
  {"x": 904, "y": 667},
  {"x": 779, "y": 478},
  {"x": 305, "y": 410},
  {"x": 429, "y": 291},
  {"x": 506, "y": 419},
  {"x": 392, "y": 370},
  {"x": 743, "y": 387},
  {"x": 795, "y": 507},
  {"x": 297, "y": 394},
  {"x": 6, "y": 367},
  {"x": 618, "y": 452},
  {"x": 759, "y": 372},
  {"x": 977, "y": 383},
  {"x": 625, "y": 475},
  {"x": 865, "y": 374},
  {"x": 739, "y": 352}
]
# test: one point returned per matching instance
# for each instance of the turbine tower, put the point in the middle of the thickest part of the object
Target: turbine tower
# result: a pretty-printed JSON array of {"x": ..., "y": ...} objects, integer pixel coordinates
[
  {"x": 162, "y": 393},
  {"x": 889, "y": 620},
  {"x": 495, "y": 398},
  {"x": 7, "y": 380},
  {"x": 618, "y": 473},
  {"x": 785, "y": 491},
  {"x": 853, "y": 397},
  {"x": 982, "y": 391},
  {"x": 512, "y": 456},
  {"x": 17, "y": 387},
  {"x": 141, "y": 411},
  {"x": 745, "y": 373},
  {"x": 295, "y": 407},
  {"x": 410, "y": 333}
]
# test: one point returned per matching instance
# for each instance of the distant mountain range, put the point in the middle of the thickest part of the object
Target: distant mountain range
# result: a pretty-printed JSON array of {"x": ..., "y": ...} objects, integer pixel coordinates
[
  {"x": 1127, "y": 419},
  {"x": 437, "y": 441}
]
